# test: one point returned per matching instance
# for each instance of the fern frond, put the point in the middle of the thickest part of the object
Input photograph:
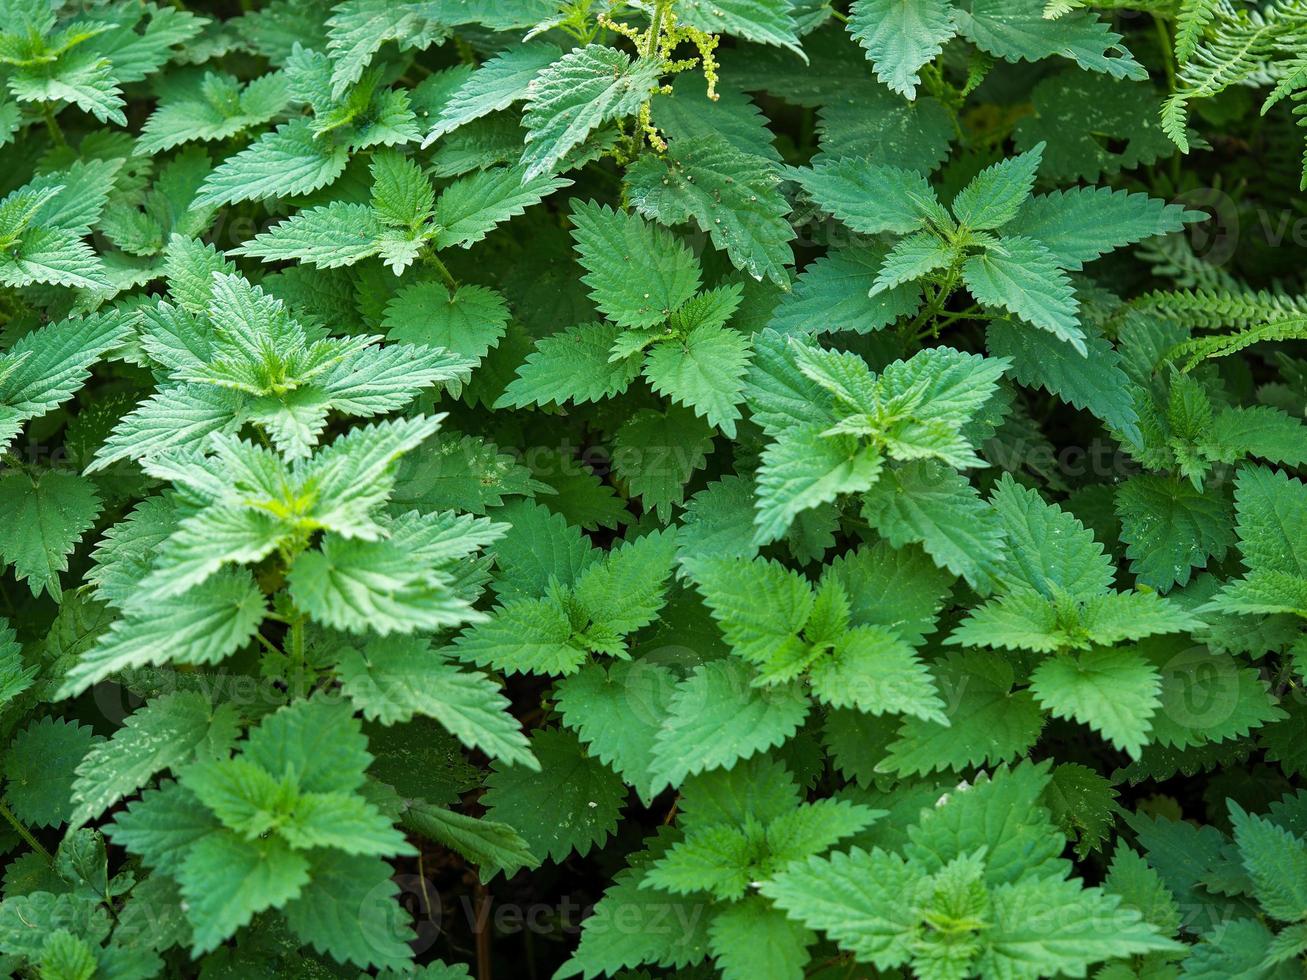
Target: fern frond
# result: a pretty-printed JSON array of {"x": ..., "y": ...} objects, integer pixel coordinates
[
  {"x": 1212, "y": 309},
  {"x": 1253, "y": 316},
  {"x": 1191, "y": 353},
  {"x": 1053, "y": 9},
  {"x": 1191, "y": 22},
  {"x": 1239, "y": 50},
  {"x": 1172, "y": 257}
]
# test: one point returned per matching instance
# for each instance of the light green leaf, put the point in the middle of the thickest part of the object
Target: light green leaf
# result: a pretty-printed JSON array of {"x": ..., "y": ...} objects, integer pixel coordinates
[
  {"x": 1115, "y": 692},
  {"x": 1021, "y": 275},
  {"x": 1017, "y": 30},
  {"x": 900, "y": 37},
  {"x": 803, "y": 468},
  {"x": 1082, "y": 223},
  {"x": 715, "y": 717},
  {"x": 730, "y": 195},
  {"x": 765, "y": 21},
  {"x": 470, "y": 207},
  {"x": 226, "y": 880},
  {"x": 930, "y": 504},
  {"x": 41, "y": 520},
  {"x": 392, "y": 680},
  {"x": 704, "y": 370},
  {"x": 873, "y": 198},
  {"x": 348, "y": 909},
  {"x": 753, "y": 940},
  {"x": 496, "y": 84},
  {"x": 204, "y": 625},
  {"x": 167, "y": 731},
  {"x": 575, "y": 95},
  {"x": 638, "y": 272},
  {"x": 995, "y": 195},
  {"x": 572, "y": 365}
]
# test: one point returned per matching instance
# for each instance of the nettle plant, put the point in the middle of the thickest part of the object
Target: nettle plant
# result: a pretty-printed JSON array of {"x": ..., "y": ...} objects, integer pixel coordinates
[{"x": 759, "y": 488}]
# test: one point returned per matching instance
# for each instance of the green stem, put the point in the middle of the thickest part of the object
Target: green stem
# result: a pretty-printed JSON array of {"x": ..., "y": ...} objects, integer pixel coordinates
[
  {"x": 656, "y": 27},
  {"x": 466, "y": 53},
  {"x": 298, "y": 686},
  {"x": 433, "y": 260},
  {"x": 1168, "y": 63},
  {"x": 935, "y": 305},
  {"x": 972, "y": 313},
  {"x": 1164, "y": 42},
  {"x": 268, "y": 644},
  {"x": 24, "y": 833},
  {"x": 52, "y": 126}
]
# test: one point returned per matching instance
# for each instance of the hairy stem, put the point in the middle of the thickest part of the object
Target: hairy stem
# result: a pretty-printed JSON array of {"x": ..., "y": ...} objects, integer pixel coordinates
[
  {"x": 52, "y": 126},
  {"x": 432, "y": 259},
  {"x": 656, "y": 28},
  {"x": 24, "y": 833},
  {"x": 482, "y": 930},
  {"x": 267, "y": 644},
  {"x": 934, "y": 306},
  {"x": 299, "y": 686}
]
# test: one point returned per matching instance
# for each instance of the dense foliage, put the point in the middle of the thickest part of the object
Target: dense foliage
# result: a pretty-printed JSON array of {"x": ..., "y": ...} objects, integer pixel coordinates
[{"x": 745, "y": 488}]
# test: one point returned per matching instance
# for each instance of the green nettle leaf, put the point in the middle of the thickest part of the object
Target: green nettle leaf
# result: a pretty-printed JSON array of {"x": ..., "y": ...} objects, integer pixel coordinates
[
  {"x": 656, "y": 454},
  {"x": 38, "y": 767},
  {"x": 43, "y": 518},
  {"x": 1011, "y": 250},
  {"x": 1271, "y": 510},
  {"x": 1056, "y": 593},
  {"x": 833, "y": 293},
  {"x": 573, "y": 365},
  {"x": 1022, "y": 276},
  {"x": 704, "y": 726},
  {"x": 816, "y": 481},
  {"x": 1019, "y": 30},
  {"x": 46, "y": 367},
  {"x": 730, "y": 195},
  {"x": 873, "y": 198},
  {"x": 572, "y": 804},
  {"x": 575, "y": 95},
  {"x": 886, "y": 908},
  {"x": 993, "y": 198},
  {"x": 44, "y": 222},
  {"x": 608, "y": 243},
  {"x": 1096, "y": 382},
  {"x": 1171, "y": 528},
  {"x": 168, "y": 731},
  {"x": 765, "y": 21},
  {"x": 496, "y": 84},
  {"x": 774, "y": 619},
  {"x": 904, "y": 415},
  {"x": 227, "y": 880},
  {"x": 391, "y": 682},
  {"x": 1113, "y": 691},
  {"x": 491, "y": 845},
  {"x": 933, "y": 506},
  {"x": 217, "y": 107},
  {"x": 1092, "y": 125},
  {"x": 615, "y": 713},
  {"x": 204, "y": 625},
  {"x": 900, "y": 36}
]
